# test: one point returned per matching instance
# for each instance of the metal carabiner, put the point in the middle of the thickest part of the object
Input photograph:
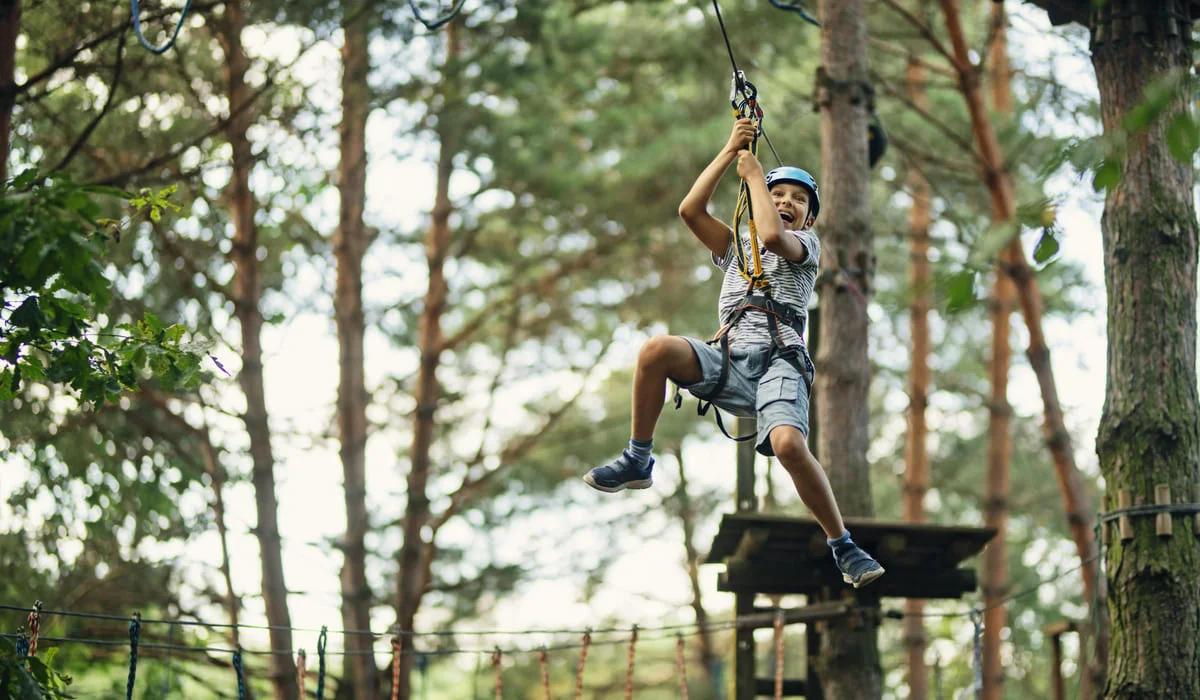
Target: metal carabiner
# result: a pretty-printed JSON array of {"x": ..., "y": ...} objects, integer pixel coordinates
[{"x": 742, "y": 92}]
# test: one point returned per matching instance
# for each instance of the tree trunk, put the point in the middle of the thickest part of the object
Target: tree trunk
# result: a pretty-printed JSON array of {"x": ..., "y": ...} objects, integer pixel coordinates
[
  {"x": 10, "y": 29},
  {"x": 916, "y": 456},
  {"x": 248, "y": 293},
  {"x": 687, "y": 517},
  {"x": 1004, "y": 294},
  {"x": 411, "y": 581},
  {"x": 849, "y": 656},
  {"x": 349, "y": 247},
  {"x": 1150, "y": 427}
]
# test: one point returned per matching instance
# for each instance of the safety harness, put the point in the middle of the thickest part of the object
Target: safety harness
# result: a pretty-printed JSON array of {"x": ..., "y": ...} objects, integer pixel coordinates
[{"x": 758, "y": 289}]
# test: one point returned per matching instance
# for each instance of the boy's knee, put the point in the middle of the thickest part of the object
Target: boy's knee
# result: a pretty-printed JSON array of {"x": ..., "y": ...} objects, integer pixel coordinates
[
  {"x": 658, "y": 352},
  {"x": 790, "y": 446}
]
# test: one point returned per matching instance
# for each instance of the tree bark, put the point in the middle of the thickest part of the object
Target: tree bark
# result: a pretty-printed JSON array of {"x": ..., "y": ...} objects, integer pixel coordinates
[
  {"x": 1004, "y": 293},
  {"x": 248, "y": 295},
  {"x": 1150, "y": 427},
  {"x": 687, "y": 517},
  {"x": 10, "y": 29},
  {"x": 349, "y": 247},
  {"x": 849, "y": 656},
  {"x": 411, "y": 578},
  {"x": 916, "y": 456}
]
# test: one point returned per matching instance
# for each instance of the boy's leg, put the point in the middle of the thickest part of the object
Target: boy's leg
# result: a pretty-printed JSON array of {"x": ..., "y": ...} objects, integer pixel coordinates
[
  {"x": 663, "y": 357},
  {"x": 782, "y": 404}
]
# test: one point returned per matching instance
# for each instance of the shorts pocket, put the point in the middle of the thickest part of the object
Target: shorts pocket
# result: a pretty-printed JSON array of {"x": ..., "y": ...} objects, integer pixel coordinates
[{"x": 778, "y": 389}]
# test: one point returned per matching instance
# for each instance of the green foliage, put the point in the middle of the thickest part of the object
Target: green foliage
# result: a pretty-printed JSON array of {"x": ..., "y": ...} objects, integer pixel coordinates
[
  {"x": 30, "y": 677},
  {"x": 52, "y": 287}
]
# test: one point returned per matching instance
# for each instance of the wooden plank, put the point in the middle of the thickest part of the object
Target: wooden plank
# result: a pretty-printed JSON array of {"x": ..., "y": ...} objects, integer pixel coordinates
[
  {"x": 1124, "y": 522},
  {"x": 751, "y": 543},
  {"x": 764, "y": 617},
  {"x": 1162, "y": 521}
]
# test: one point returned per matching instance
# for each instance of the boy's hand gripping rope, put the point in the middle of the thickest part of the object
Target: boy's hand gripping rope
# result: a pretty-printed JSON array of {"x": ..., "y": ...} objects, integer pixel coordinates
[
  {"x": 135, "y": 630},
  {"x": 137, "y": 28}
]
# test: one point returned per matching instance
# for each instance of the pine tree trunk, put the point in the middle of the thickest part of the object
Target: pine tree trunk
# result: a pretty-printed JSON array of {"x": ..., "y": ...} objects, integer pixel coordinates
[
  {"x": 248, "y": 293},
  {"x": 849, "y": 656},
  {"x": 1150, "y": 427},
  {"x": 411, "y": 580},
  {"x": 349, "y": 247},
  {"x": 916, "y": 456},
  {"x": 687, "y": 518},
  {"x": 10, "y": 29},
  {"x": 1004, "y": 294}
]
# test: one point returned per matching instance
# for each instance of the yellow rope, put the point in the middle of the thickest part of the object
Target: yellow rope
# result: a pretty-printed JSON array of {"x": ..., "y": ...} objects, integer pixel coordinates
[{"x": 755, "y": 275}]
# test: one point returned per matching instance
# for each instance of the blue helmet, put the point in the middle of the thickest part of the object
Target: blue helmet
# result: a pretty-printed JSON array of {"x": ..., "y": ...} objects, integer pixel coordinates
[{"x": 800, "y": 177}]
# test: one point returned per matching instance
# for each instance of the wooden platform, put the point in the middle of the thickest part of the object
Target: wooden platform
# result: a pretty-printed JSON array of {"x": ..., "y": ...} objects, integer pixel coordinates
[{"x": 776, "y": 554}]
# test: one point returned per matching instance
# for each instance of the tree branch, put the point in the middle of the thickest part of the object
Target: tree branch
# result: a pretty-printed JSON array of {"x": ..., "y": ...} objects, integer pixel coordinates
[
  {"x": 113, "y": 86},
  {"x": 923, "y": 29},
  {"x": 950, "y": 133},
  {"x": 888, "y": 47}
]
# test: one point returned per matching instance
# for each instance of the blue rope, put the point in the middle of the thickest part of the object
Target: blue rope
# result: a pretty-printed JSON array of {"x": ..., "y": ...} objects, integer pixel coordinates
[
  {"x": 135, "y": 629},
  {"x": 22, "y": 644},
  {"x": 435, "y": 24},
  {"x": 321, "y": 664},
  {"x": 137, "y": 28},
  {"x": 795, "y": 6},
  {"x": 241, "y": 677}
]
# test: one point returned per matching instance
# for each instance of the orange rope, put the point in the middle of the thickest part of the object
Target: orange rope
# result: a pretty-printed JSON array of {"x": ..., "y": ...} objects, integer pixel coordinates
[
  {"x": 779, "y": 654},
  {"x": 302, "y": 672},
  {"x": 681, "y": 666},
  {"x": 395, "y": 668},
  {"x": 544, "y": 659},
  {"x": 499, "y": 674},
  {"x": 629, "y": 671},
  {"x": 587, "y": 639}
]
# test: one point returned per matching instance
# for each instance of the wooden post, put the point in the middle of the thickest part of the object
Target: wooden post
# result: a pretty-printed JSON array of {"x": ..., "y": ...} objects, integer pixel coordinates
[
  {"x": 1125, "y": 523},
  {"x": 1162, "y": 521},
  {"x": 1056, "y": 677},
  {"x": 746, "y": 501}
]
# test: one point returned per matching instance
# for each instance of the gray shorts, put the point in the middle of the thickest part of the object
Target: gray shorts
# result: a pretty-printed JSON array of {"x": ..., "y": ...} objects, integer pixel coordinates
[{"x": 776, "y": 395}]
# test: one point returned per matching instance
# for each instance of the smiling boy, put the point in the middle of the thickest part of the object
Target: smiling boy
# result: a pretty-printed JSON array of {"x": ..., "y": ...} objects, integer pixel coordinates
[{"x": 761, "y": 367}]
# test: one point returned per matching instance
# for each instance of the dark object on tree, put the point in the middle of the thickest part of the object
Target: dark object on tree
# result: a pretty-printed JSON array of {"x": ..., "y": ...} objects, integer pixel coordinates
[
  {"x": 1082, "y": 12},
  {"x": 877, "y": 141}
]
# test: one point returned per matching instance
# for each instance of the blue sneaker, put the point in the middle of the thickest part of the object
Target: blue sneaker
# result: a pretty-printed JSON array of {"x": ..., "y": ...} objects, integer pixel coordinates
[
  {"x": 620, "y": 474},
  {"x": 857, "y": 567}
]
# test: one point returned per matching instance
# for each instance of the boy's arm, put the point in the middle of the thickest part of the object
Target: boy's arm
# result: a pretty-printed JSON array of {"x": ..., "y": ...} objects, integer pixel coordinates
[
  {"x": 767, "y": 223},
  {"x": 711, "y": 231}
]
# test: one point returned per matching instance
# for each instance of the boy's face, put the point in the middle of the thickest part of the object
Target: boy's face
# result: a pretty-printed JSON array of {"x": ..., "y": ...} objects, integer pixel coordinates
[{"x": 791, "y": 201}]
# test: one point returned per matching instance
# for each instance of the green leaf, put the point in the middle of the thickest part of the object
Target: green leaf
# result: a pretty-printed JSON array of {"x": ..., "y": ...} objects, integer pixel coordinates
[
  {"x": 76, "y": 201},
  {"x": 8, "y": 392},
  {"x": 1047, "y": 246},
  {"x": 25, "y": 179},
  {"x": 1107, "y": 175},
  {"x": 993, "y": 240},
  {"x": 960, "y": 291},
  {"x": 28, "y": 315},
  {"x": 153, "y": 325},
  {"x": 1183, "y": 137}
]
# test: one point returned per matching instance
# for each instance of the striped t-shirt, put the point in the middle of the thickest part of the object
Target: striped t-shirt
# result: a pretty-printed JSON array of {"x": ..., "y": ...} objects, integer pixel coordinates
[{"x": 791, "y": 284}]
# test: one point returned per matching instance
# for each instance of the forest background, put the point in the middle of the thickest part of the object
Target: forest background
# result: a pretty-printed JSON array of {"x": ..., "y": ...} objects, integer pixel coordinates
[{"x": 511, "y": 181}]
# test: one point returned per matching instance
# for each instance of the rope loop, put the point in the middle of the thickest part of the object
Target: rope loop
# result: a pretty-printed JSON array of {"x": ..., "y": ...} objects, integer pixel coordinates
[
  {"x": 302, "y": 672},
  {"x": 681, "y": 666},
  {"x": 241, "y": 676},
  {"x": 629, "y": 671},
  {"x": 159, "y": 50},
  {"x": 496, "y": 664},
  {"x": 544, "y": 661},
  {"x": 321, "y": 640},
  {"x": 395, "y": 668},
  {"x": 135, "y": 631},
  {"x": 977, "y": 621},
  {"x": 437, "y": 22},
  {"x": 35, "y": 625},
  {"x": 587, "y": 640}
]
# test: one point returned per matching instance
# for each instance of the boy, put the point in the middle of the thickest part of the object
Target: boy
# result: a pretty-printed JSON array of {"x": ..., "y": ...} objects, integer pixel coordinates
[{"x": 768, "y": 371}]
